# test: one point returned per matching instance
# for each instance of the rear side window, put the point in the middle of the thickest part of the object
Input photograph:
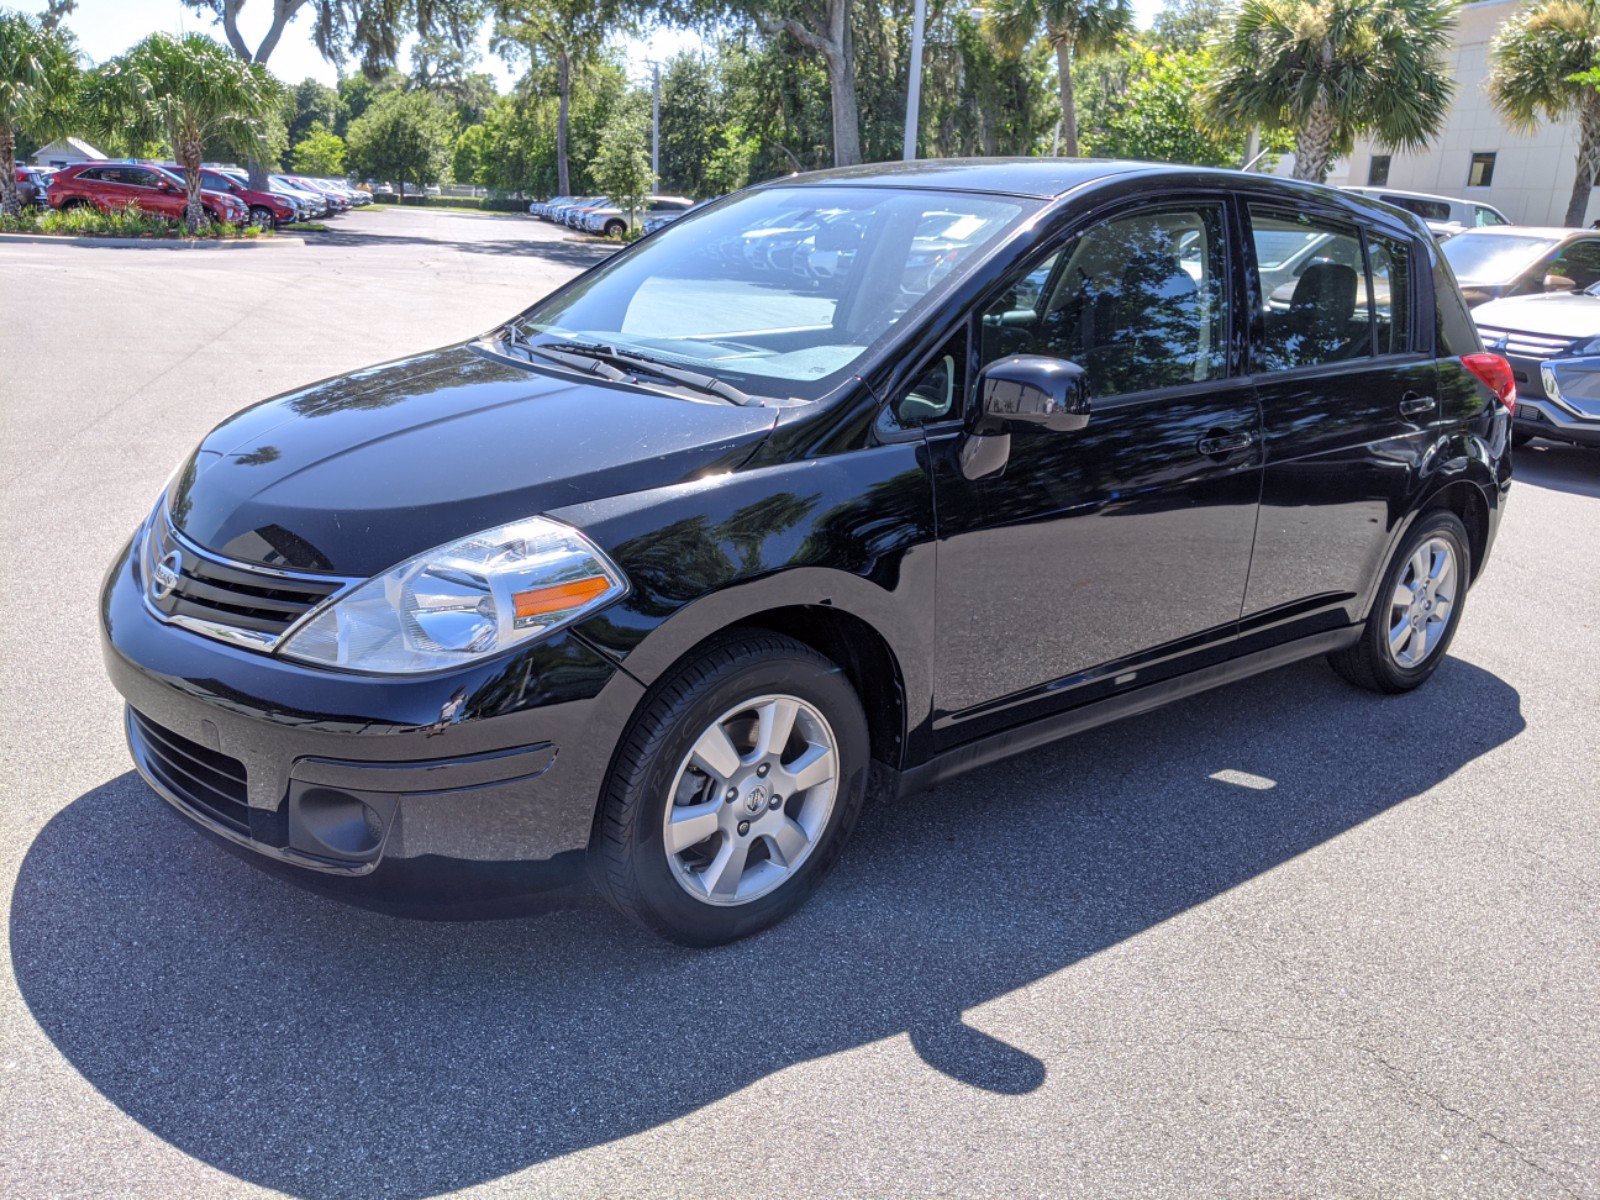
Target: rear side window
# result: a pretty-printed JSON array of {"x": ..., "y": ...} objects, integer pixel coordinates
[
  {"x": 1314, "y": 303},
  {"x": 1391, "y": 294},
  {"x": 1139, "y": 302},
  {"x": 1428, "y": 210}
]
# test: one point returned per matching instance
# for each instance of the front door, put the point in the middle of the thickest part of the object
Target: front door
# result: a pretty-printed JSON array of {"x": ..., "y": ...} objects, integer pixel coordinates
[{"x": 1104, "y": 559}]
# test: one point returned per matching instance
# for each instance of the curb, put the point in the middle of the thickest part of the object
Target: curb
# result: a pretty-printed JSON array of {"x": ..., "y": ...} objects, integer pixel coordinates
[{"x": 166, "y": 243}]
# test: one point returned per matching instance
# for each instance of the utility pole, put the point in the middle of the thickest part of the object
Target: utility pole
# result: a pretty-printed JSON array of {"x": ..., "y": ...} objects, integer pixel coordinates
[
  {"x": 655, "y": 122},
  {"x": 914, "y": 84}
]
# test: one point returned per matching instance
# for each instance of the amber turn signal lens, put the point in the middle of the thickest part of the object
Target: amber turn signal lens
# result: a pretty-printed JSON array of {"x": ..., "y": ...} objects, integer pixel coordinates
[{"x": 536, "y": 602}]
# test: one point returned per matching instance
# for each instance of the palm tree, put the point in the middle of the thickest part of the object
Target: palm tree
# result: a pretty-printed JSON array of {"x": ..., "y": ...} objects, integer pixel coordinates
[
  {"x": 1333, "y": 69},
  {"x": 565, "y": 34},
  {"x": 1072, "y": 28},
  {"x": 1533, "y": 65},
  {"x": 38, "y": 70},
  {"x": 186, "y": 90}
]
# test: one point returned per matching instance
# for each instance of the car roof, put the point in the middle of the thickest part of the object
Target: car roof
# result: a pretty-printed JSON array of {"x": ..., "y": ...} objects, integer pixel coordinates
[
  {"x": 1039, "y": 178},
  {"x": 1367, "y": 190},
  {"x": 1558, "y": 232}
]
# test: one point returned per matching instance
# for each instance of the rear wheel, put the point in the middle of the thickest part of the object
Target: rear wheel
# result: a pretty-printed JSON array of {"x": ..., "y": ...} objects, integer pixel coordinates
[
  {"x": 733, "y": 791},
  {"x": 1417, "y": 610},
  {"x": 615, "y": 229}
]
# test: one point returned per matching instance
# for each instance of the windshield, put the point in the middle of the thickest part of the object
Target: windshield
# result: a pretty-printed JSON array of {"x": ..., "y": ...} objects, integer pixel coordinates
[
  {"x": 1490, "y": 257},
  {"x": 782, "y": 290}
]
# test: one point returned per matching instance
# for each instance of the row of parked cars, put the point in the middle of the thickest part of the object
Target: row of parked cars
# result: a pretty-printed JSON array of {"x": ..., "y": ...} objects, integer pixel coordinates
[
  {"x": 158, "y": 188},
  {"x": 601, "y": 215}
]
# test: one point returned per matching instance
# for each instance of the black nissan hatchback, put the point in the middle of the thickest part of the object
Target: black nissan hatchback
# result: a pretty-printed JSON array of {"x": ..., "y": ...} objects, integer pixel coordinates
[{"x": 835, "y": 488}]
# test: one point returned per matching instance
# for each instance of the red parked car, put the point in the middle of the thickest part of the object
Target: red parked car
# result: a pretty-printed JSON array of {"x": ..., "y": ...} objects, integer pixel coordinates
[
  {"x": 113, "y": 186},
  {"x": 265, "y": 209}
]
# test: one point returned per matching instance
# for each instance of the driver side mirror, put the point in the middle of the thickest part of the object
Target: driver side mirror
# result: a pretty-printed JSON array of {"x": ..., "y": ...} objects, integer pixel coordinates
[
  {"x": 163, "y": 186},
  {"x": 1559, "y": 283},
  {"x": 1030, "y": 390}
]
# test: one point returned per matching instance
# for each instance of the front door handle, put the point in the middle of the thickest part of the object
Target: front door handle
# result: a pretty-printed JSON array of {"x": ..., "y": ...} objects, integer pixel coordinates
[
  {"x": 1411, "y": 404},
  {"x": 1221, "y": 442}
]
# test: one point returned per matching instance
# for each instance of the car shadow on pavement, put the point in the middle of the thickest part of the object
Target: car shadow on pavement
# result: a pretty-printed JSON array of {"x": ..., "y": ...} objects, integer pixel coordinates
[
  {"x": 1559, "y": 467},
  {"x": 562, "y": 253},
  {"x": 328, "y": 1051}
]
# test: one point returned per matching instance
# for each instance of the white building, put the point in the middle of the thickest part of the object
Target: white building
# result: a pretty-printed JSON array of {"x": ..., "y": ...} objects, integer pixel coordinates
[
  {"x": 1476, "y": 156},
  {"x": 63, "y": 152}
]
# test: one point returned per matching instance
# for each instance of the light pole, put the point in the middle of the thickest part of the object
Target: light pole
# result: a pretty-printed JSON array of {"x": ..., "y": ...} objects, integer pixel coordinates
[
  {"x": 655, "y": 123},
  {"x": 914, "y": 84}
]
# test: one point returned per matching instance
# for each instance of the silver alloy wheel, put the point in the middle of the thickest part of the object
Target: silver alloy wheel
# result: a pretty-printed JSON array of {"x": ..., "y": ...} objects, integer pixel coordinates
[
  {"x": 261, "y": 217},
  {"x": 1424, "y": 597},
  {"x": 751, "y": 800}
]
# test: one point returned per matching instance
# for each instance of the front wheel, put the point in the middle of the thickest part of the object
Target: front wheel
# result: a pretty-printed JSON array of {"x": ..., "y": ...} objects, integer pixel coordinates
[
  {"x": 733, "y": 791},
  {"x": 614, "y": 229},
  {"x": 261, "y": 217},
  {"x": 1417, "y": 610}
]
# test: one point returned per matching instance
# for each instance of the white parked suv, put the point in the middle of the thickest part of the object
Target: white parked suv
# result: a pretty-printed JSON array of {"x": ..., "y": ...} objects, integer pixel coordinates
[{"x": 1443, "y": 215}]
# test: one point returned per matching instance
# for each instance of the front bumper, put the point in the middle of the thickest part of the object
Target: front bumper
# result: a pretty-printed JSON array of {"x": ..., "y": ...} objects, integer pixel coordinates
[{"x": 469, "y": 793}]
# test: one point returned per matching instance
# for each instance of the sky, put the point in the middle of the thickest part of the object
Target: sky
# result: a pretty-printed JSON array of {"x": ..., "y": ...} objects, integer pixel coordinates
[{"x": 108, "y": 27}]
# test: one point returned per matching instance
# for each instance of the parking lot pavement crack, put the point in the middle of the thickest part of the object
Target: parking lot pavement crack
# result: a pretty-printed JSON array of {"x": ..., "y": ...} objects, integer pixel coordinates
[{"x": 1409, "y": 1081}]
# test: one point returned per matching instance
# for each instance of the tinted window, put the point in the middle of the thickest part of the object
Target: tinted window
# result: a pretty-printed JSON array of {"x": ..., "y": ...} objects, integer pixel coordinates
[
  {"x": 216, "y": 181},
  {"x": 1391, "y": 294},
  {"x": 1578, "y": 261},
  {"x": 937, "y": 391},
  {"x": 1139, "y": 302},
  {"x": 1317, "y": 311},
  {"x": 1428, "y": 210}
]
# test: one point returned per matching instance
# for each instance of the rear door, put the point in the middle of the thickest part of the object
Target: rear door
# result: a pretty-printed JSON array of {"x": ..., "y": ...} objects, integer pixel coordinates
[
  {"x": 1346, "y": 381},
  {"x": 1110, "y": 557}
]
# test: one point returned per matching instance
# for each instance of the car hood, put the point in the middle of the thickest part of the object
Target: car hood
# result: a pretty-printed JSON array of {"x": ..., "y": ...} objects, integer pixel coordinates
[
  {"x": 357, "y": 473},
  {"x": 1563, "y": 314}
]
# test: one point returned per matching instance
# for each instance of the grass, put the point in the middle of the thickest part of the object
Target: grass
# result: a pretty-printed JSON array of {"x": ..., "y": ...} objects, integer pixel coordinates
[
  {"x": 129, "y": 223},
  {"x": 303, "y": 227}
]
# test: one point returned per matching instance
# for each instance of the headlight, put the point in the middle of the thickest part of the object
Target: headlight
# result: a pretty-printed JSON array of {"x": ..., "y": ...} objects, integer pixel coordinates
[{"x": 462, "y": 602}]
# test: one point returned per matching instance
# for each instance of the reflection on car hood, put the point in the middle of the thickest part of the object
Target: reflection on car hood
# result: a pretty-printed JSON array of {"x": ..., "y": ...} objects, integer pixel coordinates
[
  {"x": 362, "y": 471},
  {"x": 1563, "y": 314}
]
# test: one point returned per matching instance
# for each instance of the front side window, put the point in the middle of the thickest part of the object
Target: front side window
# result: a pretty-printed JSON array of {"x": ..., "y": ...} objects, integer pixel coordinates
[
  {"x": 1138, "y": 302},
  {"x": 783, "y": 290},
  {"x": 1483, "y": 215},
  {"x": 1314, "y": 309}
]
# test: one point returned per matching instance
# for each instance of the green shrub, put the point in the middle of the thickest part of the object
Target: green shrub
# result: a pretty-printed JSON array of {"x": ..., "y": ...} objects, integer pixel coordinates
[
  {"x": 85, "y": 221},
  {"x": 486, "y": 203}
]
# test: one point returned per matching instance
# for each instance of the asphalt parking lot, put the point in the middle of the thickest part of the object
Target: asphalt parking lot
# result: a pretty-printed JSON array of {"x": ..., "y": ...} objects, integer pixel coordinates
[{"x": 1286, "y": 939}]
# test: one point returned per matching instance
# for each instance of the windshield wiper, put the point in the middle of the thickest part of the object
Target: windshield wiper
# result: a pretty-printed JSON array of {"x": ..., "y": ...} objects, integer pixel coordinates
[{"x": 602, "y": 355}]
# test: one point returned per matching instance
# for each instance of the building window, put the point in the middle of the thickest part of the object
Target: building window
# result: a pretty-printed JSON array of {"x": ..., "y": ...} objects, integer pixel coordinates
[
  {"x": 1481, "y": 172},
  {"x": 1378, "y": 171}
]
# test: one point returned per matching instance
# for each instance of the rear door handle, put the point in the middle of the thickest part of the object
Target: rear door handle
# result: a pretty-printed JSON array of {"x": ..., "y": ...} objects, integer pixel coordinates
[
  {"x": 1412, "y": 404},
  {"x": 1224, "y": 441}
]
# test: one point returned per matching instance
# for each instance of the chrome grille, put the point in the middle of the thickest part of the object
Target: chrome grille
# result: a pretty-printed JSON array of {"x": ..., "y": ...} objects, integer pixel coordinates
[
  {"x": 1524, "y": 345},
  {"x": 244, "y": 603}
]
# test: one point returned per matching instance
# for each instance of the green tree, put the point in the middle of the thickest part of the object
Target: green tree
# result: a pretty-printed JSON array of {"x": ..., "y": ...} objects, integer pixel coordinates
[
  {"x": 1188, "y": 24},
  {"x": 1333, "y": 69},
  {"x": 466, "y": 160},
  {"x": 825, "y": 28},
  {"x": 320, "y": 153},
  {"x": 38, "y": 75},
  {"x": 1539, "y": 67},
  {"x": 566, "y": 36},
  {"x": 1146, "y": 107},
  {"x": 404, "y": 136},
  {"x": 622, "y": 166},
  {"x": 310, "y": 103},
  {"x": 1072, "y": 28},
  {"x": 190, "y": 91}
]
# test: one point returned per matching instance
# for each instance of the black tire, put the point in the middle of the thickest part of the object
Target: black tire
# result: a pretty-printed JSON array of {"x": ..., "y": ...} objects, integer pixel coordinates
[
  {"x": 615, "y": 229},
  {"x": 71, "y": 203},
  {"x": 628, "y": 855},
  {"x": 261, "y": 217},
  {"x": 1519, "y": 438},
  {"x": 1368, "y": 664}
]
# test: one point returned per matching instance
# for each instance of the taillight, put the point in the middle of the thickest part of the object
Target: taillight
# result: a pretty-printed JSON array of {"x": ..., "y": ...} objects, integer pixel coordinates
[{"x": 1495, "y": 373}]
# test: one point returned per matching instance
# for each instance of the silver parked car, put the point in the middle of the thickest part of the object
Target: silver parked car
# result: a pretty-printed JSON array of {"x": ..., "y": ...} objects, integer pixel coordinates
[{"x": 1552, "y": 342}]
